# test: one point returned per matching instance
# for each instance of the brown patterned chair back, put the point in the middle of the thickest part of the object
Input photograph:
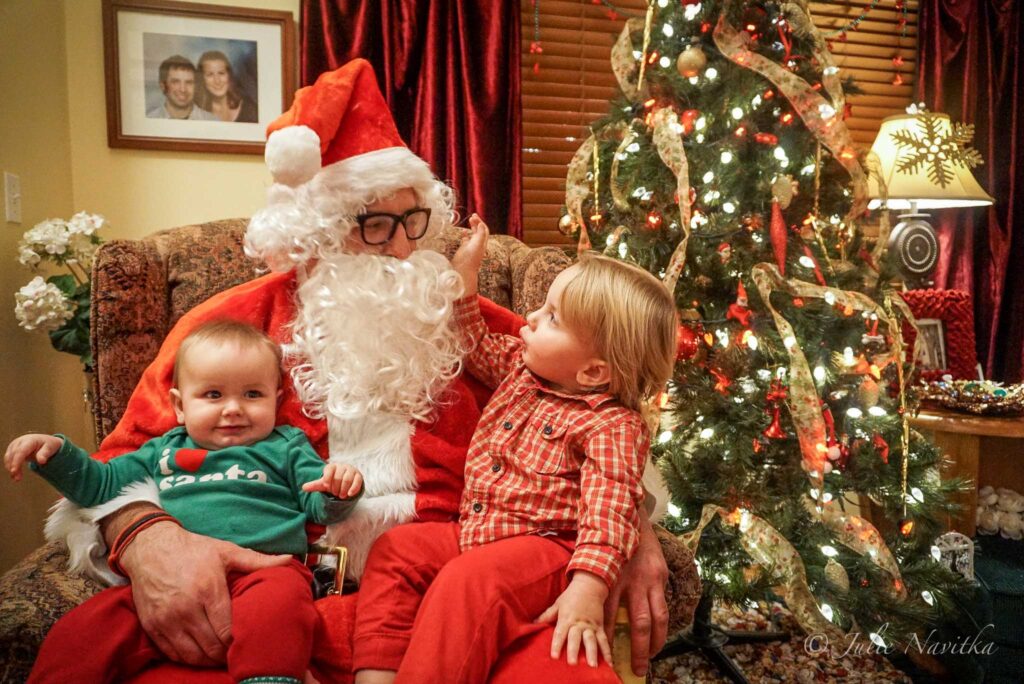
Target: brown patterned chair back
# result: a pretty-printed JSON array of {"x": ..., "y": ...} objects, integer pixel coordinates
[{"x": 140, "y": 288}]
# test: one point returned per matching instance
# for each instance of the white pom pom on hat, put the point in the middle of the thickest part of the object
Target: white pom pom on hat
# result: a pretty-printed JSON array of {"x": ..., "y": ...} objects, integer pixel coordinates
[{"x": 293, "y": 154}]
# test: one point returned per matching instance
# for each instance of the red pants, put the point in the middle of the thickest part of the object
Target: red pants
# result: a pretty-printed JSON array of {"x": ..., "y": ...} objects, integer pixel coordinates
[
  {"x": 272, "y": 621},
  {"x": 435, "y": 614}
]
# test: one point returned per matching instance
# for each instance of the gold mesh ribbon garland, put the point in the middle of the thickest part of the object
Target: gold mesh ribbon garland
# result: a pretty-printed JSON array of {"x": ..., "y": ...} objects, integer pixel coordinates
[
  {"x": 768, "y": 548},
  {"x": 669, "y": 143},
  {"x": 812, "y": 107}
]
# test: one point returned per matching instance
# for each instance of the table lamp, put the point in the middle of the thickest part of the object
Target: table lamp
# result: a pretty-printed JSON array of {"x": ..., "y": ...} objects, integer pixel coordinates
[{"x": 924, "y": 161}]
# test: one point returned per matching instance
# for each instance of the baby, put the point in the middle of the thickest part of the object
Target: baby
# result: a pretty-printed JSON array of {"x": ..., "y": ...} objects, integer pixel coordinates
[
  {"x": 227, "y": 472},
  {"x": 549, "y": 512}
]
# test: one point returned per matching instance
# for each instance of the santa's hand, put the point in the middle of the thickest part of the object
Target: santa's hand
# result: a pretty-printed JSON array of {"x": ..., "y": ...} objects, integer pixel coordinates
[
  {"x": 339, "y": 479},
  {"x": 470, "y": 254},
  {"x": 33, "y": 447},
  {"x": 641, "y": 587},
  {"x": 179, "y": 586}
]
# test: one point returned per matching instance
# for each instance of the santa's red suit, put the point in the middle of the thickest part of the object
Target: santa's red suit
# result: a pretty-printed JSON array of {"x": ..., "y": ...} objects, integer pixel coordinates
[{"x": 438, "y": 450}]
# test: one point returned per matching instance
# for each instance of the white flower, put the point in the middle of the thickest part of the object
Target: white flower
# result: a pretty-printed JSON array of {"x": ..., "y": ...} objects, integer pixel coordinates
[
  {"x": 82, "y": 249},
  {"x": 84, "y": 223},
  {"x": 27, "y": 256},
  {"x": 50, "y": 236},
  {"x": 41, "y": 306}
]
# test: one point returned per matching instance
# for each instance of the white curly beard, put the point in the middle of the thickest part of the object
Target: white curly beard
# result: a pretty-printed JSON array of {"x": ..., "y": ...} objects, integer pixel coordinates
[{"x": 372, "y": 351}]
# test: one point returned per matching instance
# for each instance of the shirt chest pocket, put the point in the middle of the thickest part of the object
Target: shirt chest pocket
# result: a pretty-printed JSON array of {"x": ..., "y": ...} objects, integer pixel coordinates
[{"x": 543, "y": 447}]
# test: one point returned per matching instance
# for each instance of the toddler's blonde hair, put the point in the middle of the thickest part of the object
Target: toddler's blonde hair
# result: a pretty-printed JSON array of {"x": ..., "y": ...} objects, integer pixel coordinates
[
  {"x": 630, "y": 318},
  {"x": 223, "y": 331}
]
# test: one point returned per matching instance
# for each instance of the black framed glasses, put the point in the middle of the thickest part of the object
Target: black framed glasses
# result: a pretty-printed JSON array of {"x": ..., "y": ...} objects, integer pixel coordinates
[{"x": 378, "y": 228}]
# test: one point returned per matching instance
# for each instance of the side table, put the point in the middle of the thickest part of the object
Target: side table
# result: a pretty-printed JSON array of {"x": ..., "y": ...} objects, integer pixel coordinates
[{"x": 987, "y": 450}]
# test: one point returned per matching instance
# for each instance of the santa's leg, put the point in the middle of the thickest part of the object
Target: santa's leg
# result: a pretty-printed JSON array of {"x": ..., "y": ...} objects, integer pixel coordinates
[
  {"x": 99, "y": 641},
  {"x": 401, "y": 567}
]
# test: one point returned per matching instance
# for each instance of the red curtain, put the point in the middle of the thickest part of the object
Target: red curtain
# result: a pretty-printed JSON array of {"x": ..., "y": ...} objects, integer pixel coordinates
[
  {"x": 449, "y": 70},
  {"x": 969, "y": 66}
]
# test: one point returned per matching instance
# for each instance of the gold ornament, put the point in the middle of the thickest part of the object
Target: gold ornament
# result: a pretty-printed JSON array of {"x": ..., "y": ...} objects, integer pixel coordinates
[
  {"x": 566, "y": 225},
  {"x": 836, "y": 574},
  {"x": 691, "y": 62},
  {"x": 868, "y": 392}
]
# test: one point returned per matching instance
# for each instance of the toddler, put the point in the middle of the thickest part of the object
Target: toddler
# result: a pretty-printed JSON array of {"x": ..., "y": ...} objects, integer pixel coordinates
[
  {"x": 226, "y": 472},
  {"x": 549, "y": 512}
]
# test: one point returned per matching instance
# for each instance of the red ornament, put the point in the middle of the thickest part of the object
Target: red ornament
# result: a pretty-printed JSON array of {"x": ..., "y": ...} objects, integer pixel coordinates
[
  {"x": 882, "y": 446},
  {"x": 774, "y": 429},
  {"x": 906, "y": 526},
  {"x": 766, "y": 138},
  {"x": 687, "y": 342},
  {"x": 757, "y": 446},
  {"x": 722, "y": 382},
  {"x": 817, "y": 270},
  {"x": 779, "y": 237},
  {"x": 776, "y": 395},
  {"x": 688, "y": 119},
  {"x": 738, "y": 310},
  {"x": 725, "y": 252},
  {"x": 653, "y": 220}
]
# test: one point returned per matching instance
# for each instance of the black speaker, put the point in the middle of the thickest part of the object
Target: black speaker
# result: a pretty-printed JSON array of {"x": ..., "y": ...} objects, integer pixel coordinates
[{"x": 914, "y": 249}]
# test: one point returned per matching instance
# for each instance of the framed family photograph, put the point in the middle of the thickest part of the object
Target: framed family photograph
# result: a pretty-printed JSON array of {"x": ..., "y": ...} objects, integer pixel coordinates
[
  {"x": 931, "y": 344},
  {"x": 197, "y": 77}
]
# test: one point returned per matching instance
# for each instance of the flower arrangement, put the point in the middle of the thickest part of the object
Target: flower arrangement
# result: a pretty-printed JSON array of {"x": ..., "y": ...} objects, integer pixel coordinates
[{"x": 59, "y": 305}]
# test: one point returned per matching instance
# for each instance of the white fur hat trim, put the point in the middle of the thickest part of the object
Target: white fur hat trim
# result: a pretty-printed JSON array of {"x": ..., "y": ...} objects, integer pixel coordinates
[{"x": 293, "y": 155}]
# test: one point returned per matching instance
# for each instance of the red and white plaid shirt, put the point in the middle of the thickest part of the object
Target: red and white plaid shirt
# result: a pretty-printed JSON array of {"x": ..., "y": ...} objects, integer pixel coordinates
[{"x": 544, "y": 461}]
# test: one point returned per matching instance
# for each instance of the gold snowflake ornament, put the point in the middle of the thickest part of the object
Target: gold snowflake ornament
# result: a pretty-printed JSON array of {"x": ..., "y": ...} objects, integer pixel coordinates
[{"x": 936, "y": 149}]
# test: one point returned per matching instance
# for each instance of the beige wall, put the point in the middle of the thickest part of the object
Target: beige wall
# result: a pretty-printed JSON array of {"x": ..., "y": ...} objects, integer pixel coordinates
[
  {"x": 53, "y": 135},
  {"x": 140, "y": 191}
]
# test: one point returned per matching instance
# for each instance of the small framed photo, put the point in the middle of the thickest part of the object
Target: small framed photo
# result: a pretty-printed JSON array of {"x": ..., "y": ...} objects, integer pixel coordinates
[
  {"x": 931, "y": 344},
  {"x": 188, "y": 76}
]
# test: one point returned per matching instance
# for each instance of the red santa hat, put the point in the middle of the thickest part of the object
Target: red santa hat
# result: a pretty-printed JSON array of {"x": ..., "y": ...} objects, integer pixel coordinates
[
  {"x": 340, "y": 117},
  {"x": 335, "y": 151}
]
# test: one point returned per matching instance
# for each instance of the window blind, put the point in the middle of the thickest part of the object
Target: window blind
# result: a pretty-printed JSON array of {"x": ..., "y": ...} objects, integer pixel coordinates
[{"x": 574, "y": 84}]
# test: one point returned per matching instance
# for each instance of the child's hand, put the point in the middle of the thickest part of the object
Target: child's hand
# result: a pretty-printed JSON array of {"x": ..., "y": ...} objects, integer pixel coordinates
[
  {"x": 339, "y": 479},
  {"x": 470, "y": 255},
  {"x": 36, "y": 448},
  {"x": 580, "y": 613}
]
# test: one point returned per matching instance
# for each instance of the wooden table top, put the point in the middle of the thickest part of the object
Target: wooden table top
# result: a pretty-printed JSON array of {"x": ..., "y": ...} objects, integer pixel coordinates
[{"x": 969, "y": 423}]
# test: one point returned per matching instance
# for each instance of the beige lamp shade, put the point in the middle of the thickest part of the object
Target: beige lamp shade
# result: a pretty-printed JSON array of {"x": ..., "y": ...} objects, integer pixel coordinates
[{"x": 907, "y": 136}]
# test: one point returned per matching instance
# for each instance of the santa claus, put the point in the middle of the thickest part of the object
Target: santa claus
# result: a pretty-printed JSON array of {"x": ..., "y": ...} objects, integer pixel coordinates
[{"x": 373, "y": 378}]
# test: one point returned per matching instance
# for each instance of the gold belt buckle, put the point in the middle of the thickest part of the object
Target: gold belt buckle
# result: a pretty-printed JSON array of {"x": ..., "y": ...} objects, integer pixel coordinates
[{"x": 339, "y": 571}]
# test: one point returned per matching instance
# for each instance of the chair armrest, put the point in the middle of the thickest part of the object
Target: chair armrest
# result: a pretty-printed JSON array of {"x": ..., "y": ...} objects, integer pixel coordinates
[
  {"x": 34, "y": 594},
  {"x": 683, "y": 591}
]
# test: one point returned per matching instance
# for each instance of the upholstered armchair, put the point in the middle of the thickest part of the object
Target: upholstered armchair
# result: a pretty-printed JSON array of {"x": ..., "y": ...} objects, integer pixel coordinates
[{"x": 140, "y": 289}]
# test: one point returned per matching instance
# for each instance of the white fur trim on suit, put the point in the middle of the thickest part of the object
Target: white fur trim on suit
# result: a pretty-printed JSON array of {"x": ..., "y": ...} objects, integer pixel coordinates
[
  {"x": 79, "y": 528},
  {"x": 379, "y": 446},
  {"x": 657, "y": 497}
]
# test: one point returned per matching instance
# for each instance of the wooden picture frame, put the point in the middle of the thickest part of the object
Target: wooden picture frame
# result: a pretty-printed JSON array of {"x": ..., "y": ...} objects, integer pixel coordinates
[
  {"x": 930, "y": 347},
  {"x": 243, "y": 71}
]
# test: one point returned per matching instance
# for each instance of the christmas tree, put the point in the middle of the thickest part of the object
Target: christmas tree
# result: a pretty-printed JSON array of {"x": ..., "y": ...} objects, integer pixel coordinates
[{"x": 726, "y": 168}]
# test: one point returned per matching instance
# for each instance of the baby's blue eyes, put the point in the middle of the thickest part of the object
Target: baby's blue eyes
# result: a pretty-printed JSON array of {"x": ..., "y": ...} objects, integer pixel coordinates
[
  {"x": 212, "y": 394},
  {"x": 253, "y": 394}
]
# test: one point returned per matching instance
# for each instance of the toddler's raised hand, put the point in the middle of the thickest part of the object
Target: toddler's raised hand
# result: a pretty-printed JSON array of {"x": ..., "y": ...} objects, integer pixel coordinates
[
  {"x": 470, "y": 255},
  {"x": 339, "y": 479},
  {"x": 36, "y": 448}
]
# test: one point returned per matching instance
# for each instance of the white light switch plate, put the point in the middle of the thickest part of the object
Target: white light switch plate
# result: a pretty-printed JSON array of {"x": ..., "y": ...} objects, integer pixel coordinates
[{"x": 12, "y": 197}]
